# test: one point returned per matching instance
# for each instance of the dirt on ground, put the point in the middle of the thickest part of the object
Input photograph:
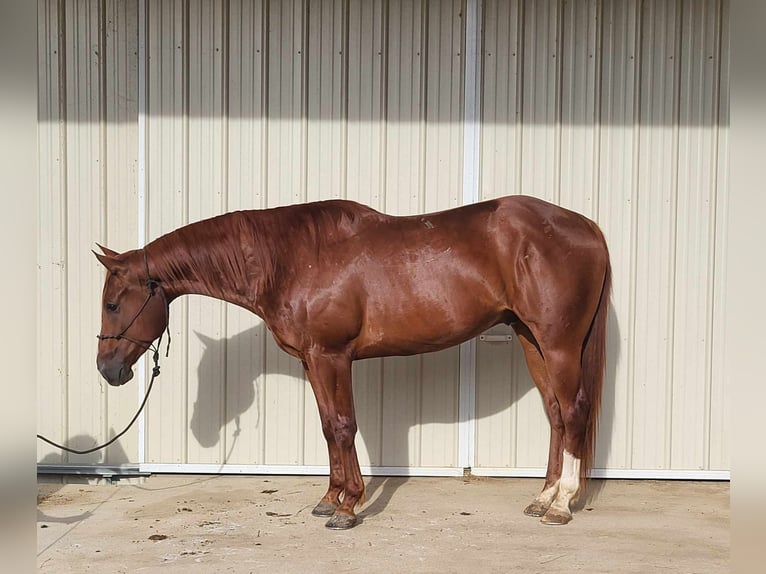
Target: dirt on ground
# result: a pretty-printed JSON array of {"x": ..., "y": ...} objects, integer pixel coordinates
[{"x": 243, "y": 524}]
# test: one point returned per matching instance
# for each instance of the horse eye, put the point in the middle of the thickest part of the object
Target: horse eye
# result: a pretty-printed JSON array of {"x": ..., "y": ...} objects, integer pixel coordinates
[{"x": 112, "y": 307}]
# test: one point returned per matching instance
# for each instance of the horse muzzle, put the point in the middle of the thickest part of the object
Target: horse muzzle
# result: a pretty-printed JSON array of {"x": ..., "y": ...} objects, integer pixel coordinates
[{"x": 116, "y": 374}]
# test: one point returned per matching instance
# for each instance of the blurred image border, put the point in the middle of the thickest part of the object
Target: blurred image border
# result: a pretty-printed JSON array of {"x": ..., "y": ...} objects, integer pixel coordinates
[
  {"x": 18, "y": 291},
  {"x": 746, "y": 282}
]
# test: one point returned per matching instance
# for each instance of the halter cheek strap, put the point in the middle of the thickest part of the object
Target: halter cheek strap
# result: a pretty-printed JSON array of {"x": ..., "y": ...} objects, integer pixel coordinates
[{"x": 152, "y": 285}]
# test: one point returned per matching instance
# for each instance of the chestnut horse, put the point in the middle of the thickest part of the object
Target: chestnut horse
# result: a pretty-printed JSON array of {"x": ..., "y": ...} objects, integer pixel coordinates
[{"x": 336, "y": 281}]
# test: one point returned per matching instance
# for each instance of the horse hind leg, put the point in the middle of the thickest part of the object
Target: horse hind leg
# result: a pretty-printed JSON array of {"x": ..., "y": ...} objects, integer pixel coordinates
[
  {"x": 565, "y": 376},
  {"x": 537, "y": 369}
]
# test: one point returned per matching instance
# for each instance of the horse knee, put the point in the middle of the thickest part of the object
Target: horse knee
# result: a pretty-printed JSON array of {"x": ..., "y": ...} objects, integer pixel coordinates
[{"x": 344, "y": 430}]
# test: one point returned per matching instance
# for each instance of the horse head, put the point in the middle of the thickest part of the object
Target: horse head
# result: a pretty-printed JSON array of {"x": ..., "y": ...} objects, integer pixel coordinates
[{"x": 134, "y": 313}]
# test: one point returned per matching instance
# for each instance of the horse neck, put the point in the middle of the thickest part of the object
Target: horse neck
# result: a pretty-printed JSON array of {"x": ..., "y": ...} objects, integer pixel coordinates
[{"x": 205, "y": 258}]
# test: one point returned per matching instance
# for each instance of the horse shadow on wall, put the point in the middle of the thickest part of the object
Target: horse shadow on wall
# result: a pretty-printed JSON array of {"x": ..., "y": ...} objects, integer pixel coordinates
[{"x": 244, "y": 387}]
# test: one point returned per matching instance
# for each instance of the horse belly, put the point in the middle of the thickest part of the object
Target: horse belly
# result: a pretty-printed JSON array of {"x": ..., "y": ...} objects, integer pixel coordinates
[{"x": 414, "y": 317}]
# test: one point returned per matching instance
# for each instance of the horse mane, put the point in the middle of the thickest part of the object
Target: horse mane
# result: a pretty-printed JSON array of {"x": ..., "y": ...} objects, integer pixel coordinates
[{"x": 229, "y": 251}]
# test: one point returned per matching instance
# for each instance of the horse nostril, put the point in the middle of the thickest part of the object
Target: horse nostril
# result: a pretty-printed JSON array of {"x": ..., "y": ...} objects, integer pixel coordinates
[{"x": 110, "y": 371}]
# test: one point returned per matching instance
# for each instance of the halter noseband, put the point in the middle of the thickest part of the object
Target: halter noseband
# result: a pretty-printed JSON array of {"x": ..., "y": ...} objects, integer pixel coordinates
[{"x": 151, "y": 285}]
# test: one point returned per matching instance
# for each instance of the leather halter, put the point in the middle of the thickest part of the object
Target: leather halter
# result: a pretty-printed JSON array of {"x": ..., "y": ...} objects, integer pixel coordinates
[{"x": 152, "y": 285}]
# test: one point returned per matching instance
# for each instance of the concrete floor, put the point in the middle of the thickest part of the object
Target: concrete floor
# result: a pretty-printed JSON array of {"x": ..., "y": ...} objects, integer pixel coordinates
[{"x": 264, "y": 524}]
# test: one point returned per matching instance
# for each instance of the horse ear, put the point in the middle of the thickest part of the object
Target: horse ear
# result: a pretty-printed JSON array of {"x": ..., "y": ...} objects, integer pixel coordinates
[
  {"x": 107, "y": 251},
  {"x": 207, "y": 341},
  {"x": 111, "y": 263}
]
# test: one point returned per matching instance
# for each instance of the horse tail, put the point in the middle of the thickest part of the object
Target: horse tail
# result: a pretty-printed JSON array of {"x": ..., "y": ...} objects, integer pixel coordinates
[{"x": 593, "y": 367}]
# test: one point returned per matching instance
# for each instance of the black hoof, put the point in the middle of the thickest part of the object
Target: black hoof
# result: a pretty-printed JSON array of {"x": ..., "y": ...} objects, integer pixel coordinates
[
  {"x": 341, "y": 521},
  {"x": 324, "y": 509}
]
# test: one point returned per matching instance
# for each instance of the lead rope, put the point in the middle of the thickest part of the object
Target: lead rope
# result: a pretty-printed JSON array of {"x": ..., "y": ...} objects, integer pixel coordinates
[{"x": 155, "y": 374}]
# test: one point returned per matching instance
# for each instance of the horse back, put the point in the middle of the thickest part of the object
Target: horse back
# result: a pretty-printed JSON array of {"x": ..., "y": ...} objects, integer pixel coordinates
[{"x": 404, "y": 285}]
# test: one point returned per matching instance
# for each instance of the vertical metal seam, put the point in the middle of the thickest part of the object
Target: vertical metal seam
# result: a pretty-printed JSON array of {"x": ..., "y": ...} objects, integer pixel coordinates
[
  {"x": 417, "y": 455},
  {"x": 471, "y": 157},
  {"x": 64, "y": 214},
  {"x": 423, "y": 108},
  {"x": 140, "y": 199},
  {"x": 264, "y": 86},
  {"x": 265, "y": 79},
  {"x": 102, "y": 163},
  {"x": 518, "y": 119},
  {"x": 598, "y": 58},
  {"x": 384, "y": 67},
  {"x": 471, "y": 102},
  {"x": 678, "y": 54},
  {"x": 185, "y": 162},
  {"x": 305, "y": 91},
  {"x": 558, "y": 102},
  {"x": 425, "y": 30},
  {"x": 385, "y": 63},
  {"x": 225, "y": 102},
  {"x": 710, "y": 330},
  {"x": 635, "y": 181},
  {"x": 304, "y": 94},
  {"x": 344, "y": 94},
  {"x": 519, "y": 111}
]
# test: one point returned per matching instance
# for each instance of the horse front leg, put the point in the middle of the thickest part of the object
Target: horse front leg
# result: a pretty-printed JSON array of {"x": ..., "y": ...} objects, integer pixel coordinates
[
  {"x": 331, "y": 380},
  {"x": 331, "y": 500}
]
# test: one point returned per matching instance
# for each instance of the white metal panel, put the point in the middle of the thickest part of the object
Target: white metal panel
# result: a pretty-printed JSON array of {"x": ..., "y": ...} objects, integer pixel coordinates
[
  {"x": 208, "y": 145},
  {"x": 617, "y": 109},
  {"x": 325, "y": 85},
  {"x": 284, "y": 386},
  {"x": 627, "y": 127},
  {"x": 719, "y": 393},
  {"x": 654, "y": 233},
  {"x": 52, "y": 386},
  {"x": 242, "y": 437},
  {"x": 617, "y": 200},
  {"x": 418, "y": 406},
  {"x": 695, "y": 235},
  {"x": 120, "y": 219},
  {"x": 167, "y": 183},
  {"x": 580, "y": 59},
  {"x": 274, "y": 94},
  {"x": 86, "y": 398},
  {"x": 88, "y": 166},
  {"x": 501, "y": 60},
  {"x": 540, "y": 92},
  {"x": 365, "y": 183}
]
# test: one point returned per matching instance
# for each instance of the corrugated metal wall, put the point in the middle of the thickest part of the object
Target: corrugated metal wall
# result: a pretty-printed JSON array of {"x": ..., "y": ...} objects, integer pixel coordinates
[
  {"x": 617, "y": 109},
  {"x": 88, "y": 146}
]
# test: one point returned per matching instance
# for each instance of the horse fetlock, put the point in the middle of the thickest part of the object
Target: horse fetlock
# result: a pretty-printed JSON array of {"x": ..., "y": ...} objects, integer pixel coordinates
[
  {"x": 570, "y": 475},
  {"x": 353, "y": 496}
]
